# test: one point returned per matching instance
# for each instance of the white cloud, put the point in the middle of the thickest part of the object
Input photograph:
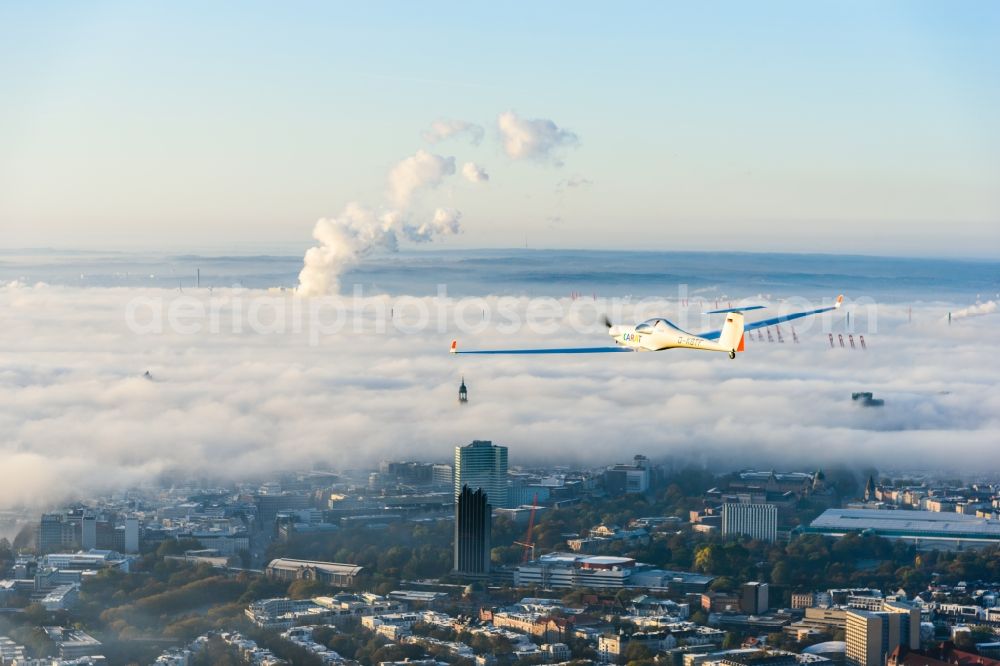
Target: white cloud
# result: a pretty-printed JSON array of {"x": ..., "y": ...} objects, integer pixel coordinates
[
  {"x": 539, "y": 139},
  {"x": 474, "y": 173},
  {"x": 76, "y": 415},
  {"x": 343, "y": 240},
  {"x": 448, "y": 128},
  {"x": 359, "y": 230},
  {"x": 419, "y": 171}
]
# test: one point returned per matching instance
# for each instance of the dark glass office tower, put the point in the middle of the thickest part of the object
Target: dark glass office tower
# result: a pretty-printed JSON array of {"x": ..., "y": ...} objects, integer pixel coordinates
[{"x": 473, "y": 524}]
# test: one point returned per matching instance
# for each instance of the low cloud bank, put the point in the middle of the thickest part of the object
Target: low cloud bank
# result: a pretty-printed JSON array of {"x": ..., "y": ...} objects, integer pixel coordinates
[{"x": 77, "y": 415}]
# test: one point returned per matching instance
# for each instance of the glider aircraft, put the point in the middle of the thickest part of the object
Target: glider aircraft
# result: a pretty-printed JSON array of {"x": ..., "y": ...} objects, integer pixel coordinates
[{"x": 659, "y": 334}]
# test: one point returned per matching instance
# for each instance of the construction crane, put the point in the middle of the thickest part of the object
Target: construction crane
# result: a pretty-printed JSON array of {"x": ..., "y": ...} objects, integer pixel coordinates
[{"x": 528, "y": 544}]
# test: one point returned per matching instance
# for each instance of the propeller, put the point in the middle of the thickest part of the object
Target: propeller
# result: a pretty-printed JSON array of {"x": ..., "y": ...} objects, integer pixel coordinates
[{"x": 607, "y": 322}]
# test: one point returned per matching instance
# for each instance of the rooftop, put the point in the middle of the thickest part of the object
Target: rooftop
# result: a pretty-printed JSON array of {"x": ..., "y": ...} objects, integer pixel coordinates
[
  {"x": 331, "y": 567},
  {"x": 827, "y": 647},
  {"x": 756, "y": 475},
  {"x": 586, "y": 561},
  {"x": 907, "y": 523},
  {"x": 62, "y": 636}
]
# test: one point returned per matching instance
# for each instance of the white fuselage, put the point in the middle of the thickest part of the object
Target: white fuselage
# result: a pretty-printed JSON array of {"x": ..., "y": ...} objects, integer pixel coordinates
[{"x": 659, "y": 334}]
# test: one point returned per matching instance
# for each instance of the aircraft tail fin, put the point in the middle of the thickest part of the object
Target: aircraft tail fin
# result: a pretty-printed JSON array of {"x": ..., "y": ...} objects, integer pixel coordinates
[{"x": 731, "y": 337}]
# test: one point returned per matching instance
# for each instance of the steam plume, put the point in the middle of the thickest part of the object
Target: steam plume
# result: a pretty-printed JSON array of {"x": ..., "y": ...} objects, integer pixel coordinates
[
  {"x": 417, "y": 172},
  {"x": 359, "y": 230},
  {"x": 977, "y": 310}
]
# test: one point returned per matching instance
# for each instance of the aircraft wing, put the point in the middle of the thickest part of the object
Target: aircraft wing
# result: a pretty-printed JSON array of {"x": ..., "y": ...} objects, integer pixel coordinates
[
  {"x": 742, "y": 309},
  {"x": 557, "y": 350},
  {"x": 763, "y": 323}
]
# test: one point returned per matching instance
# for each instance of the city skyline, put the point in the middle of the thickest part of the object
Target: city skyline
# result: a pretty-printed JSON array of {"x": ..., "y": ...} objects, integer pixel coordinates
[{"x": 670, "y": 585}]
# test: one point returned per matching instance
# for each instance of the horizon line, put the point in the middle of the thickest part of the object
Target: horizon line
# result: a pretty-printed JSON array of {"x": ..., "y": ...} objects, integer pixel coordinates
[{"x": 252, "y": 250}]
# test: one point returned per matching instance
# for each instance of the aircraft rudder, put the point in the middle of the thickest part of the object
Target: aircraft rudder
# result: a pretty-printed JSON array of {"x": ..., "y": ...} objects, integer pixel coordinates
[{"x": 731, "y": 336}]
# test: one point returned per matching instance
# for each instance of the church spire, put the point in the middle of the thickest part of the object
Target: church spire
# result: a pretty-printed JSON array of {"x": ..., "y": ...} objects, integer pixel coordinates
[
  {"x": 463, "y": 393},
  {"x": 870, "y": 490}
]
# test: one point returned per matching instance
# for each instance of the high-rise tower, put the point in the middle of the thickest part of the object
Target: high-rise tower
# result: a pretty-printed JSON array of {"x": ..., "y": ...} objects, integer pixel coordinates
[
  {"x": 872, "y": 636},
  {"x": 757, "y": 521},
  {"x": 482, "y": 464},
  {"x": 473, "y": 525}
]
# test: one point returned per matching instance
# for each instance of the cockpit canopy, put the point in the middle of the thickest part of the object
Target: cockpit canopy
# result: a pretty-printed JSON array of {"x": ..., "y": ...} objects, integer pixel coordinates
[{"x": 656, "y": 325}]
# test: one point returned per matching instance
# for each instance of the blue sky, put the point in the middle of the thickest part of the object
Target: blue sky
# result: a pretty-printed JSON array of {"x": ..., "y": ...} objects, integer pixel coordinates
[{"x": 848, "y": 127}]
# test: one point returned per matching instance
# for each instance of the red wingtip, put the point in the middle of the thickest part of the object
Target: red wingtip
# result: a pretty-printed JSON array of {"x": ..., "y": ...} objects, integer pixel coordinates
[{"x": 454, "y": 346}]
